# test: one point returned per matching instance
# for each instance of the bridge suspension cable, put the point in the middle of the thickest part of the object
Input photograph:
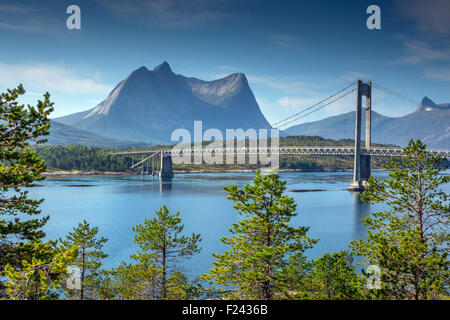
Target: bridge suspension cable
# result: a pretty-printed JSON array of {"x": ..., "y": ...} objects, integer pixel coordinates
[
  {"x": 306, "y": 109},
  {"x": 321, "y": 107},
  {"x": 396, "y": 94},
  {"x": 309, "y": 108}
]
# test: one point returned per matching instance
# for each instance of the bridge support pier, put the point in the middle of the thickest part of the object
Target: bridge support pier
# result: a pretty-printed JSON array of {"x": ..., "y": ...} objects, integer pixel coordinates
[
  {"x": 166, "y": 166},
  {"x": 365, "y": 170},
  {"x": 361, "y": 164}
]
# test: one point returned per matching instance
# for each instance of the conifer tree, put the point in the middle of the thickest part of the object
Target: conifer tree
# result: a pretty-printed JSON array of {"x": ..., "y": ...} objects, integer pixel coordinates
[
  {"x": 332, "y": 276},
  {"x": 133, "y": 281},
  {"x": 263, "y": 245},
  {"x": 88, "y": 258},
  {"x": 162, "y": 246},
  {"x": 41, "y": 276},
  {"x": 20, "y": 223},
  {"x": 409, "y": 240}
]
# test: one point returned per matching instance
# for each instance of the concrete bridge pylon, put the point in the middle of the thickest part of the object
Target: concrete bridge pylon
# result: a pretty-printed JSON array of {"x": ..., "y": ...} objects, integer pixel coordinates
[
  {"x": 166, "y": 166},
  {"x": 361, "y": 165}
]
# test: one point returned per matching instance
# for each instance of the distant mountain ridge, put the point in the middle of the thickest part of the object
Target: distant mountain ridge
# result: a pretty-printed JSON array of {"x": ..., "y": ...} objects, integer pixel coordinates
[
  {"x": 149, "y": 105},
  {"x": 430, "y": 123},
  {"x": 62, "y": 134}
]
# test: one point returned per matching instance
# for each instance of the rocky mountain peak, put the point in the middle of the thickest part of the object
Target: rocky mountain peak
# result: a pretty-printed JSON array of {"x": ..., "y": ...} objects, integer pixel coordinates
[
  {"x": 428, "y": 105},
  {"x": 150, "y": 104},
  {"x": 163, "y": 67}
]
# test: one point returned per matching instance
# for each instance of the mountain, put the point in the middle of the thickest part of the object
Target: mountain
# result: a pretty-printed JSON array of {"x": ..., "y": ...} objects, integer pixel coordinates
[
  {"x": 150, "y": 104},
  {"x": 430, "y": 122},
  {"x": 62, "y": 134}
]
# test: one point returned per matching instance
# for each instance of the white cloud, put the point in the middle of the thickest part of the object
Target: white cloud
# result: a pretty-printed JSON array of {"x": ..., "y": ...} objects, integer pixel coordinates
[
  {"x": 173, "y": 13},
  {"x": 286, "y": 85},
  {"x": 295, "y": 103},
  {"x": 19, "y": 17},
  {"x": 51, "y": 78},
  {"x": 353, "y": 76},
  {"x": 438, "y": 74},
  {"x": 430, "y": 15},
  {"x": 420, "y": 51},
  {"x": 4, "y": 25},
  {"x": 229, "y": 68},
  {"x": 283, "y": 40},
  {"x": 15, "y": 8}
]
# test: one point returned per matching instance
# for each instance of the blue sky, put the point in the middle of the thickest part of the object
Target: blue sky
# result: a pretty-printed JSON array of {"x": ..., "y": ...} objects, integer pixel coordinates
[{"x": 294, "y": 53}]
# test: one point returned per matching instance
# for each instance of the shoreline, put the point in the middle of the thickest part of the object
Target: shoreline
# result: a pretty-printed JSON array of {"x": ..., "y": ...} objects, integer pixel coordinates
[{"x": 65, "y": 174}]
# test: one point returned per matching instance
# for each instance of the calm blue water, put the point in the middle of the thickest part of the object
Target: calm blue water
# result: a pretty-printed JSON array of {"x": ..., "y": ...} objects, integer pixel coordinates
[{"x": 116, "y": 204}]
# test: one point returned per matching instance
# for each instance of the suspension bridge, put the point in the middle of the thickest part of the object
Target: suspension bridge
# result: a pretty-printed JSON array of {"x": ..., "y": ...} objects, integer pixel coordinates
[{"x": 161, "y": 160}]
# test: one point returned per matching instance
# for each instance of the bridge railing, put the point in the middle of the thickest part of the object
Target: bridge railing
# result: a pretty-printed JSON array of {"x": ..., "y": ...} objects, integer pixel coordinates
[{"x": 348, "y": 151}]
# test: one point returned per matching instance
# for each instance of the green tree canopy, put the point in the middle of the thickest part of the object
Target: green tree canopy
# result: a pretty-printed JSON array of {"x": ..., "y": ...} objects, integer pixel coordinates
[
  {"x": 332, "y": 276},
  {"x": 161, "y": 247},
  {"x": 88, "y": 258},
  {"x": 20, "y": 126},
  {"x": 409, "y": 240},
  {"x": 41, "y": 276},
  {"x": 263, "y": 245}
]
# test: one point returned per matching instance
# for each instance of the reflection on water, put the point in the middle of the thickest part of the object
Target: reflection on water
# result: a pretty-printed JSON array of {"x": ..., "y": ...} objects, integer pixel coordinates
[
  {"x": 165, "y": 184},
  {"x": 362, "y": 210},
  {"x": 116, "y": 204}
]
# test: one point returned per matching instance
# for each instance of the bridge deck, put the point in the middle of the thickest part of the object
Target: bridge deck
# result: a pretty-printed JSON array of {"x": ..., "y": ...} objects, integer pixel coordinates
[{"x": 346, "y": 151}]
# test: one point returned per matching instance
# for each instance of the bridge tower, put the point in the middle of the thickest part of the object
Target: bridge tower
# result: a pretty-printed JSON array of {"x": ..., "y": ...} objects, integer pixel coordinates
[
  {"x": 361, "y": 163},
  {"x": 166, "y": 166}
]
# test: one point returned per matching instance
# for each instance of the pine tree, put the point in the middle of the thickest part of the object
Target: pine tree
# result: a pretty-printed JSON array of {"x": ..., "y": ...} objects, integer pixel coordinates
[
  {"x": 263, "y": 245},
  {"x": 133, "y": 281},
  {"x": 332, "y": 276},
  {"x": 125, "y": 282},
  {"x": 88, "y": 258},
  {"x": 20, "y": 126},
  {"x": 41, "y": 277},
  {"x": 162, "y": 246},
  {"x": 409, "y": 240}
]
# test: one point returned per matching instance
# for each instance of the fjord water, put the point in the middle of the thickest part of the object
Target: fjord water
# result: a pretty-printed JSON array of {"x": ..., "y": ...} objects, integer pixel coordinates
[{"x": 116, "y": 204}]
